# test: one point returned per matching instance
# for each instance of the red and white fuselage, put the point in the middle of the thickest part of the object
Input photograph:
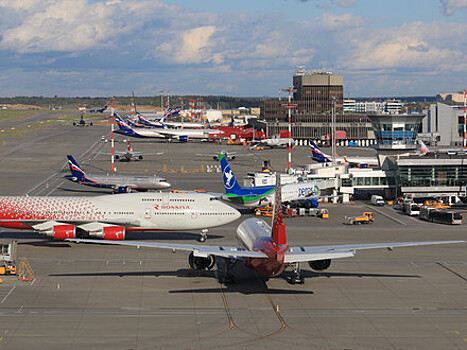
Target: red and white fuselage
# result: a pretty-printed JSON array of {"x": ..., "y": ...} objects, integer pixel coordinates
[
  {"x": 254, "y": 234},
  {"x": 131, "y": 211}
]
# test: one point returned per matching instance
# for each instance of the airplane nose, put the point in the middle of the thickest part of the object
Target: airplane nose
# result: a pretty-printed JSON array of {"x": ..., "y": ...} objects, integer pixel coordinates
[{"x": 165, "y": 184}]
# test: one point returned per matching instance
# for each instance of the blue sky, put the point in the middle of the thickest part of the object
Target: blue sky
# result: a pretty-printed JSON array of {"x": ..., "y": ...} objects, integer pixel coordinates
[{"x": 241, "y": 48}]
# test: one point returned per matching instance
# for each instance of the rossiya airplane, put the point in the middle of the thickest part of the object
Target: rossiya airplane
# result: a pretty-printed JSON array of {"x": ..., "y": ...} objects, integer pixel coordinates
[
  {"x": 306, "y": 193},
  {"x": 118, "y": 183},
  {"x": 110, "y": 216},
  {"x": 265, "y": 249},
  {"x": 321, "y": 157}
]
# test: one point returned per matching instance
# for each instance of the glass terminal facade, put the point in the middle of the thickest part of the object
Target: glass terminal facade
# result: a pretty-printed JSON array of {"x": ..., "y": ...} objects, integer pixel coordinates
[{"x": 433, "y": 175}]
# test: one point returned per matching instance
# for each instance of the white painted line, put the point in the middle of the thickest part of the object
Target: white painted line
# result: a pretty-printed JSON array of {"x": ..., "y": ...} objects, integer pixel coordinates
[{"x": 6, "y": 296}]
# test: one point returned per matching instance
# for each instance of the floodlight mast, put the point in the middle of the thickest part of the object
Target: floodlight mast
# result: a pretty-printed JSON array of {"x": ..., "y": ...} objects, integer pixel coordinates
[
  {"x": 333, "y": 130},
  {"x": 112, "y": 153},
  {"x": 289, "y": 106}
]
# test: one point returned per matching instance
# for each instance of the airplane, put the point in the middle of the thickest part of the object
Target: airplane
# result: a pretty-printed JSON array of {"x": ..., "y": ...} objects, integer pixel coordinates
[
  {"x": 82, "y": 122},
  {"x": 228, "y": 155},
  {"x": 118, "y": 183},
  {"x": 321, "y": 157},
  {"x": 99, "y": 110},
  {"x": 265, "y": 249},
  {"x": 304, "y": 193},
  {"x": 125, "y": 129},
  {"x": 182, "y": 135},
  {"x": 130, "y": 154},
  {"x": 111, "y": 216},
  {"x": 146, "y": 122},
  {"x": 273, "y": 142}
]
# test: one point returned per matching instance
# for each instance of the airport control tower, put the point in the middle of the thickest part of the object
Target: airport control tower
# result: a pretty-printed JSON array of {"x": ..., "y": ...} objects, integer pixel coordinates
[{"x": 396, "y": 133}]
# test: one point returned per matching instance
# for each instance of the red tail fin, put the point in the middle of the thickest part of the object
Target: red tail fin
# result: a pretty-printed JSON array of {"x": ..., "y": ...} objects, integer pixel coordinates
[
  {"x": 278, "y": 226},
  {"x": 129, "y": 146}
]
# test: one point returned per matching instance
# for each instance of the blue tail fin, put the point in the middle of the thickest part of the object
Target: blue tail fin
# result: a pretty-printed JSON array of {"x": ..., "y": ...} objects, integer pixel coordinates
[
  {"x": 319, "y": 155},
  {"x": 76, "y": 171},
  {"x": 122, "y": 125},
  {"x": 230, "y": 182}
]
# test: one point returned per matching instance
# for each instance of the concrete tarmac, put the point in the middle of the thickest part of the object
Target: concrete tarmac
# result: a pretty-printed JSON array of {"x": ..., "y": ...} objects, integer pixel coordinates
[{"x": 114, "y": 297}]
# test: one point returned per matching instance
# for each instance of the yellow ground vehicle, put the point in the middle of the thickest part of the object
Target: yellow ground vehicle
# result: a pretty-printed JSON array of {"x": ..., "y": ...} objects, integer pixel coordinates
[
  {"x": 367, "y": 218},
  {"x": 8, "y": 270},
  {"x": 324, "y": 214},
  {"x": 264, "y": 211}
]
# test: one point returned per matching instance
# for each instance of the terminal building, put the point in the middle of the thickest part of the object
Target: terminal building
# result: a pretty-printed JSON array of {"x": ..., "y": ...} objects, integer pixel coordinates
[
  {"x": 402, "y": 170},
  {"x": 444, "y": 125}
]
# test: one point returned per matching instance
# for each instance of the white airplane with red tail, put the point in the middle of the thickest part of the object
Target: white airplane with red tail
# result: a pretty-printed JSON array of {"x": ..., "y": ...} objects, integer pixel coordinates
[
  {"x": 266, "y": 250},
  {"x": 110, "y": 216}
]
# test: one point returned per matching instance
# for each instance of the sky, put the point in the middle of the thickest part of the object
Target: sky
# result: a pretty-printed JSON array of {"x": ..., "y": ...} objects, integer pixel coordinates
[{"x": 235, "y": 48}]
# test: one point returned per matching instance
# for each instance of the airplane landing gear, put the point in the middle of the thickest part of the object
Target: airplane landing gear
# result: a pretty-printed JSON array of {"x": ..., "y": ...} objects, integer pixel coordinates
[
  {"x": 227, "y": 277},
  {"x": 204, "y": 235},
  {"x": 296, "y": 277}
]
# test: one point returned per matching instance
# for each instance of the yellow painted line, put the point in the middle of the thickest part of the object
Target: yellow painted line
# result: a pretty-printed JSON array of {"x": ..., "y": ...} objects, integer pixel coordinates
[{"x": 12, "y": 128}]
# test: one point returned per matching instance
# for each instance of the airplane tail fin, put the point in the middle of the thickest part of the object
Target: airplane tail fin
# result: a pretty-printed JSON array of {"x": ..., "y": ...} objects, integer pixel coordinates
[
  {"x": 230, "y": 182},
  {"x": 423, "y": 148},
  {"x": 121, "y": 123},
  {"x": 75, "y": 169},
  {"x": 318, "y": 155},
  {"x": 278, "y": 227}
]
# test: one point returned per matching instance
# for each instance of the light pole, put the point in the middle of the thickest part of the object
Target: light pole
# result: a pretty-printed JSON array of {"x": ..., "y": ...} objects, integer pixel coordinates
[
  {"x": 112, "y": 154},
  {"x": 333, "y": 130},
  {"x": 289, "y": 106}
]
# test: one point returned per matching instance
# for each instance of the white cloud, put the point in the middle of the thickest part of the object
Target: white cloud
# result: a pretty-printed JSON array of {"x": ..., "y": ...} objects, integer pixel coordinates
[
  {"x": 191, "y": 46},
  {"x": 416, "y": 45},
  {"x": 452, "y": 6},
  {"x": 71, "y": 25}
]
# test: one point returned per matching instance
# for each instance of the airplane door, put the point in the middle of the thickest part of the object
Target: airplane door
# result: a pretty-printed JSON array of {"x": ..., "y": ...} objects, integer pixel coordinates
[
  {"x": 194, "y": 215},
  {"x": 147, "y": 213},
  {"x": 165, "y": 198}
]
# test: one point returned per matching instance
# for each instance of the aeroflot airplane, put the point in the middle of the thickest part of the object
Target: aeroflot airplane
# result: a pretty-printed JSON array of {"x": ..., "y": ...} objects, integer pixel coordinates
[
  {"x": 125, "y": 129},
  {"x": 305, "y": 193},
  {"x": 119, "y": 183},
  {"x": 321, "y": 157},
  {"x": 266, "y": 250},
  {"x": 110, "y": 216},
  {"x": 182, "y": 135}
]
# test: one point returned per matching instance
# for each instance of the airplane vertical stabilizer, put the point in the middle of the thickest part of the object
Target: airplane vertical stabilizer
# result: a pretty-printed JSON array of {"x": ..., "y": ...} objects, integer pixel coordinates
[
  {"x": 278, "y": 226},
  {"x": 230, "y": 182},
  {"x": 318, "y": 154},
  {"x": 75, "y": 169}
]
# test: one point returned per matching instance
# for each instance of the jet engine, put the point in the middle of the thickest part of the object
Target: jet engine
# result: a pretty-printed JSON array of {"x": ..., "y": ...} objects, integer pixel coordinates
[
  {"x": 200, "y": 263},
  {"x": 117, "y": 157},
  {"x": 140, "y": 157},
  {"x": 320, "y": 265},
  {"x": 114, "y": 233},
  {"x": 60, "y": 232},
  {"x": 123, "y": 189},
  {"x": 311, "y": 203}
]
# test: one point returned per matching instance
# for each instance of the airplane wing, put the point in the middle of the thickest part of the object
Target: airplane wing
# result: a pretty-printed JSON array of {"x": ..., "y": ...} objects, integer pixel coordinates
[
  {"x": 198, "y": 250},
  {"x": 301, "y": 254}
]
